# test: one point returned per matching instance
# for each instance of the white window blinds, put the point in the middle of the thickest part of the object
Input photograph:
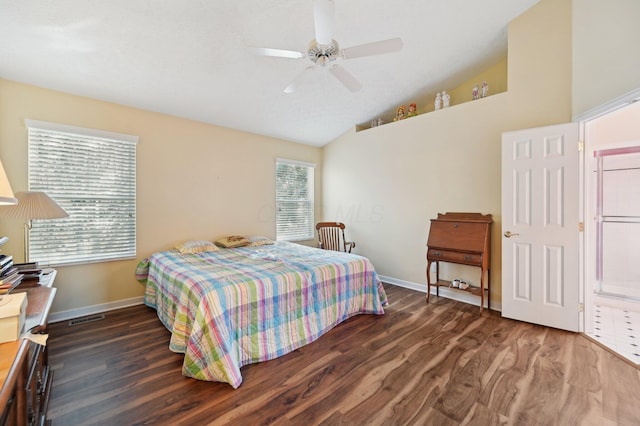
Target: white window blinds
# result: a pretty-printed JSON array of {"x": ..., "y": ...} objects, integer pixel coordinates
[
  {"x": 294, "y": 200},
  {"x": 92, "y": 175}
]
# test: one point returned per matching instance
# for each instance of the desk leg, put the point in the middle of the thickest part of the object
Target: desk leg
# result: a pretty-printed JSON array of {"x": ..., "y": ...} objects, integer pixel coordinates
[
  {"x": 481, "y": 290},
  {"x": 437, "y": 278},
  {"x": 488, "y": 289},
  {"x": 428, "y": 280}
]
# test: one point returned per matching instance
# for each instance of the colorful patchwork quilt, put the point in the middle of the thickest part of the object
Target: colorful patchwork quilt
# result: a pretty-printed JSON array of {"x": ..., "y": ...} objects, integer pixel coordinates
[{"x": 234, "y": 307}]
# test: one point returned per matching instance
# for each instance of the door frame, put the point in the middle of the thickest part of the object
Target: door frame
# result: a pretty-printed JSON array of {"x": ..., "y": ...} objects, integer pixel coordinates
[{"x": 586, "y": 295}]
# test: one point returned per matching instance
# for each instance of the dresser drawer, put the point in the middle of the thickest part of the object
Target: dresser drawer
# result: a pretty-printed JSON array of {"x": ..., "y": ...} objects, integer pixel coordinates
[{"x": 454, "y": 257}]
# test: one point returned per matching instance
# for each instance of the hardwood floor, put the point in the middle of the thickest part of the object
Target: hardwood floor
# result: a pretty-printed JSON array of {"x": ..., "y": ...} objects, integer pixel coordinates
[{"x": 441, "y": 364}]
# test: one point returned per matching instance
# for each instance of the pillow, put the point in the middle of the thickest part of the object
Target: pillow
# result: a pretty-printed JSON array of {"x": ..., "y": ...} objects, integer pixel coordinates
[
  {"x": 196, "y": 246},
  {"x": 232, "y": 241},
  {"x": 142, "y": 270},
  {"x": 259, "y": 240}
]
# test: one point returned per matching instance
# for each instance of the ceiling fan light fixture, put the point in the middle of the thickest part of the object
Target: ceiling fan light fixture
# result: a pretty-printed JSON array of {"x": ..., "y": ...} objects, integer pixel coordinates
[{"x": 323, "y": 54}]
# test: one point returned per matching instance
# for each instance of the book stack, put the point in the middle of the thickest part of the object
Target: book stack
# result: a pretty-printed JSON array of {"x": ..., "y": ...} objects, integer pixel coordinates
[
  {"x": 29, "y": 271},
  {"x": 9, "y": 275}
]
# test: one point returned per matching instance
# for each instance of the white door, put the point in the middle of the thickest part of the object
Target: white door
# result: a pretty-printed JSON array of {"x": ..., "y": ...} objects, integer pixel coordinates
[{"x": 540, "y": 219}]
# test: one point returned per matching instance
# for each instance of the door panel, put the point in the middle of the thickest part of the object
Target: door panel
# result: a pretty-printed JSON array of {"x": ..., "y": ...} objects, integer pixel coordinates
[
  {"x": 540, "y": 215},
  {"x": 522, "y": 272}
]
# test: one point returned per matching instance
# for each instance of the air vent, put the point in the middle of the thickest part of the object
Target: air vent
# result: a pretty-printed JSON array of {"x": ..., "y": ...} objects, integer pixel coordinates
[{"x": 84, "y": 320}]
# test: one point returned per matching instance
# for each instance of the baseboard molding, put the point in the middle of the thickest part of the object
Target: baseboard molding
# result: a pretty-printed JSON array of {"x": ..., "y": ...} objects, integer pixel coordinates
[
  {"x": 422, "y": 288},
  {"x": 444, "y": 292},
  {"x": 125, "y": 303},
  {"x": 94, "y": 309}
]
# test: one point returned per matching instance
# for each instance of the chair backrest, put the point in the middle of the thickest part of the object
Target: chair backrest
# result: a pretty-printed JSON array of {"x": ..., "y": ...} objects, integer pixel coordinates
[{"x": 331, "y": 237}]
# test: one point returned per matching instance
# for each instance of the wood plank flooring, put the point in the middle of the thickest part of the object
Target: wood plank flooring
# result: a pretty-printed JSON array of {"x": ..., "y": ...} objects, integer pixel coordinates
[{"x": 438, "y": 364}]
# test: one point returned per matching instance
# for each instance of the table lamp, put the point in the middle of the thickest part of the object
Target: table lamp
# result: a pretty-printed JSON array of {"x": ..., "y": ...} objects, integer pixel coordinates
[
  {"x": 6, "y": 193},
  {"x": 6, "y": 198},
  {"x": 32, "y": 205}
]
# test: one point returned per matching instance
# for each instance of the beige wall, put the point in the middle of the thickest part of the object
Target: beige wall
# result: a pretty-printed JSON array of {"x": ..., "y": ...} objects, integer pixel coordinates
[
  {"x": 387, "y": 182},
  {"x": 194, "y": 181},
  {"x": 606, "y": 61},
  {"x": 540, "y": 65},
  {"x": 201, "y": 181}
]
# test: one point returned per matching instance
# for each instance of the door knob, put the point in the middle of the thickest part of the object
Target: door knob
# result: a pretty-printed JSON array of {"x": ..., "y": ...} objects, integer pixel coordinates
[{"x": 510, "y": 234}]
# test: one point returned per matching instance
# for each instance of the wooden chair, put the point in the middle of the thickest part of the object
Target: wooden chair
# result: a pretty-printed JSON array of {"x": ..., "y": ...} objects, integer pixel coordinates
[{"x": 331, "y": 237}]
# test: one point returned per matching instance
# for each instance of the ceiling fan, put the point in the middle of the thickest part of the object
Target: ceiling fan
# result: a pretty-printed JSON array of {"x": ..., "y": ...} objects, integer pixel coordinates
[{"x": 325, "y": 52}]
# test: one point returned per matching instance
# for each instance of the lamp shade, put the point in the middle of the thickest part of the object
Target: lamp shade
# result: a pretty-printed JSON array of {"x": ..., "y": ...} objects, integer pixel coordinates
[
  {"x": 33, "y": 205},
  {"x": 6, "y": 193}
]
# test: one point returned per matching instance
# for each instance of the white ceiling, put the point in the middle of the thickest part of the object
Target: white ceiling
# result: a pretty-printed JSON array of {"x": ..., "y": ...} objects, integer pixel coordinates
[{"x": 189, "y": 58}]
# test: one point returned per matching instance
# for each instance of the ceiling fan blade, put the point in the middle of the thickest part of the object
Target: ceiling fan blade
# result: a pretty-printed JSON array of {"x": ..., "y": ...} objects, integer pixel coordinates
[
  {"x": 375, "y": 48},
  {"x": 278, "y": 53},
  {"x": 323, "y": 17},
  {"x": 346, "y": 78},
  {"x": 293, "y": 86}
]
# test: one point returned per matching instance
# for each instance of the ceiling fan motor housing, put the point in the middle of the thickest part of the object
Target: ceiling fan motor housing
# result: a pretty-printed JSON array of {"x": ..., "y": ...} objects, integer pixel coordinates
[{"x": 322, "y": 54}]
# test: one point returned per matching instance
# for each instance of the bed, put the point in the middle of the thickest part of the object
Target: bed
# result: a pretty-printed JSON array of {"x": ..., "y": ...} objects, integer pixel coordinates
[{"x": 232, "y": 307}]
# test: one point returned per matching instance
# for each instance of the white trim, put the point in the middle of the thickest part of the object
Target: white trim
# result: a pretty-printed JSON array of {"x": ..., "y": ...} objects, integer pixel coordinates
[
  {"x": 95, "y": 309},
  {"x": 103, "y": 134},
  {"x": 444, "y": 292},
  {"x": 609, "y": 106},
  {"x": 422, "y": 288},
  {"x": 125, "y": 303},
  {"x": 581, "y": 217},
  {"x": 295, "y": 162}
]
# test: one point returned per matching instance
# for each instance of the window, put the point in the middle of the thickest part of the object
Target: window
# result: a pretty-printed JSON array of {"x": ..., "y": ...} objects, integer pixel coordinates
[
  {"x": 92, "y": 175},
  {"x": 294, "y": 200}
]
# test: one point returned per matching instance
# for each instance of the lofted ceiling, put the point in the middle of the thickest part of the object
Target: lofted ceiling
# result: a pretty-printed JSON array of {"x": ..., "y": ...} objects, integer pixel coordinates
[{"x": 191, "y": 58}]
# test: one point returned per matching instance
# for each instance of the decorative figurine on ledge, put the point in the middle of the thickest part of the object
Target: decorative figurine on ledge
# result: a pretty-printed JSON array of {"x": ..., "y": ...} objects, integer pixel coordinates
[
  {"x": 377, "y": 122},
  {"x": 438, "y": 101},
  {"x": 412, "y": 110},
  {"x": 485, "y": 89},
  {"x": 445, "y": 99},
  {"x": 475, "y": 93},
  {"x": 400, "y": 113}
]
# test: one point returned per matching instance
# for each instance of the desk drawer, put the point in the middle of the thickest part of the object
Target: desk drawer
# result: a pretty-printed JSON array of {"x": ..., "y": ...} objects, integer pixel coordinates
[
  {"x": 458, "y": 235},
  {"x": 455, "y": 257}
]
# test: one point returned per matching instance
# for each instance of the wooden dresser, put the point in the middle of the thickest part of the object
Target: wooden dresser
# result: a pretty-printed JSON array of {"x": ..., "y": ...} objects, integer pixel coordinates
[
  {"x": 25, "y": 377},
  {"x": 462, "y": 238}
]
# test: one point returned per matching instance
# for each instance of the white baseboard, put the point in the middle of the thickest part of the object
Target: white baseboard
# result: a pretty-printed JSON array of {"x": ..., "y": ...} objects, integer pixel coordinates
[
  {"x": 460, "y": 296},
  {"x": 104, "y": 307},
  {"x": 94, "y": 309},
  {"x": 422, "y": 288}
]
